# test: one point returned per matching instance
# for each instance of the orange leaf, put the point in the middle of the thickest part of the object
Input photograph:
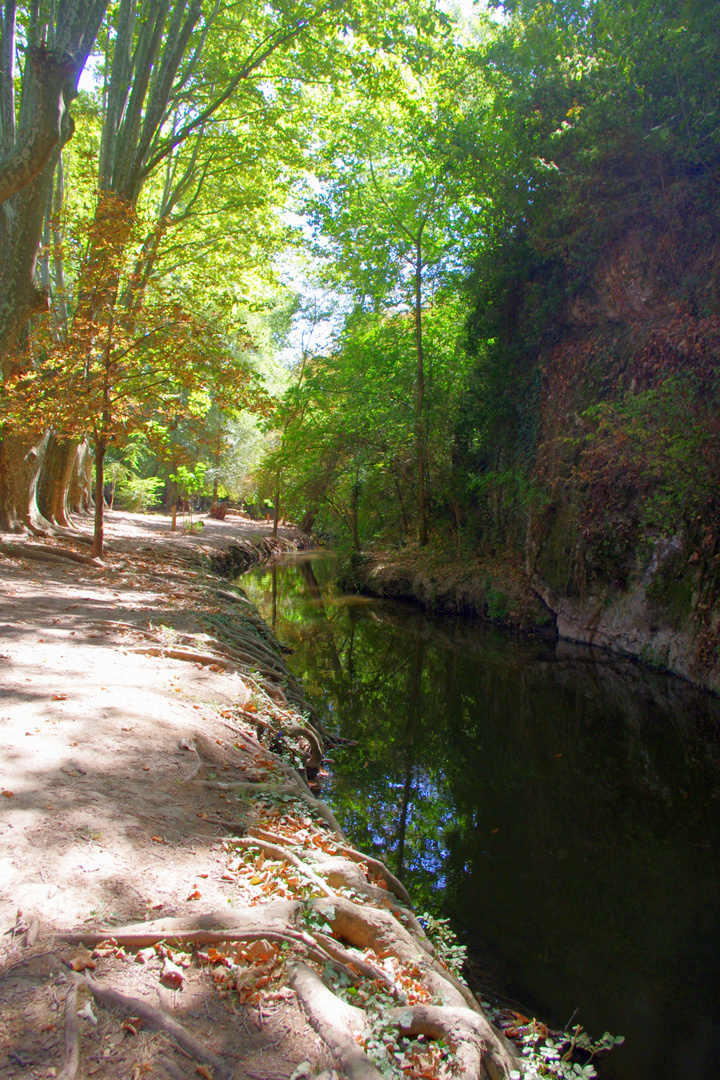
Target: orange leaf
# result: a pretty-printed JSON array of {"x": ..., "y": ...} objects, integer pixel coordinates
[
  {"x": 195, "y": 895},
  {"x": 8, "y": 794},
  {"x": 59, "y": 697},
  {"x": 202, "y": 1070}
]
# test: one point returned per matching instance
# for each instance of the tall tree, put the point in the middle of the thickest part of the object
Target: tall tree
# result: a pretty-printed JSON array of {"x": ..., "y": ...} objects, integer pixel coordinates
[
  {"x": 54, "y": 43},
  {"x": 399, "y": 214}
]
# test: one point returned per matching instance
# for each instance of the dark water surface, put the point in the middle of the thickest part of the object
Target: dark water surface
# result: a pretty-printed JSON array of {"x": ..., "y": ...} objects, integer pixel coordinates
[{"x": 560, "y": 805}]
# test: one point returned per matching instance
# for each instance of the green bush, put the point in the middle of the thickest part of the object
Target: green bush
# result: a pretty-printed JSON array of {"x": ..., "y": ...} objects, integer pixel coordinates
[
  {"x": 497, "y": 607},
  {"x": 138, "y": 493}
]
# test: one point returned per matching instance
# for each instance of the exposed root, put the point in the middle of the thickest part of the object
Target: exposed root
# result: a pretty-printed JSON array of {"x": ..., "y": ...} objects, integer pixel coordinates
[
  {"x": 368, "y": 927},
  {"x": 381, "y": 871},
  {"x": 286, "y": 856},
  {"x": 158, "y": 1019},
  {"x": 45, "y": 553},
  {"x": 313, "y": 760},
  {"x": 71, "y": 1054},
  {"x": 299, "y": 790},
  {"x": 184, "y": 654},
  {"x": 336, "y": 1023},
  {"x": 477, "y": 1045},
  {"x": 364, "y": 967}
]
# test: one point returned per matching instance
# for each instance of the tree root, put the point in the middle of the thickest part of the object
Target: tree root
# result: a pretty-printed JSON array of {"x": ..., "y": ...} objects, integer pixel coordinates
[
  {"x": 370, "y": 971},
  {"x": 297, "y": 789},
  {"x": 286, "y": 856},
  {"x": 478, "y": 1046},
  {"x": 381, "y": 871},
  {"x": 234, "y": 598},
  {"x": 142, "y": 940},
  {"x": 158, "y": 1019},
  {"x": 336, "y": 1023},
  {"x": 368, "y": 927},
  {"x": 44, "y": 553},
  {"x": 184, "y": 654},
  {"x": 71, "y": 1054},
  {"x": 313, "y": 760}
]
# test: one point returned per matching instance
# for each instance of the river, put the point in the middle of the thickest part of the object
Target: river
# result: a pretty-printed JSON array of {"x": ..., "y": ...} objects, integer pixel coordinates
[{"x": 560, "y": 805}]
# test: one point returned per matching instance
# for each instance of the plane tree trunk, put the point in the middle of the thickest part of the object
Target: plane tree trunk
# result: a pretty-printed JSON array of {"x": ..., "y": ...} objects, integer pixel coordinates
[{"x": 34, "y": 125}]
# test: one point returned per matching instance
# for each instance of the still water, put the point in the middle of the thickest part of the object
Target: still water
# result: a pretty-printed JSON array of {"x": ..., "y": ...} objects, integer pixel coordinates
[{"x": 560, "y": 805}]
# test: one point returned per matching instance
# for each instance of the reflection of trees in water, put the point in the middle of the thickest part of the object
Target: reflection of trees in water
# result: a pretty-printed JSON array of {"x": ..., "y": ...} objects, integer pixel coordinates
[{"x": 552, "y": 799}]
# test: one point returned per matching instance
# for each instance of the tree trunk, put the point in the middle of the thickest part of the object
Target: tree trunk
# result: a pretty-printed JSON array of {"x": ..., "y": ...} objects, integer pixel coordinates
[
  {"x": 20, "y": 465},
  {"x": 354, "y": 500},
  {"x": 55, "y": 478},
  {"x": 80, "y": 490},
  {"x": 406, "y": 526},
  {"x": 420, "y": 394},
  {"x": 99, "y": 533},
  {"x": 276, "y": 514},
  {"x": 307, "y": 522}
]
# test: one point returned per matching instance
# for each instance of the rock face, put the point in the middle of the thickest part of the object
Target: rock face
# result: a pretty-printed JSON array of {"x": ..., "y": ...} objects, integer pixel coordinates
[
  {"x": 614, "y": 570},
  {"x": 629, "y": 623}
]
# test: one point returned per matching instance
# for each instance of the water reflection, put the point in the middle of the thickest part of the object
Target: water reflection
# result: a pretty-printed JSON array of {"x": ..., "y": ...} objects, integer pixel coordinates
[{"x": 560, "y": 805}]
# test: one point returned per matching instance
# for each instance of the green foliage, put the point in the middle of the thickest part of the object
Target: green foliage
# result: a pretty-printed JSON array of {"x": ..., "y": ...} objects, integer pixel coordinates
[
  {"x": 444, "y": 939},
  {"x": 497, "y": 606},
  {"x": 138, "y": 493},
  {"x": 191, "y": 482}
]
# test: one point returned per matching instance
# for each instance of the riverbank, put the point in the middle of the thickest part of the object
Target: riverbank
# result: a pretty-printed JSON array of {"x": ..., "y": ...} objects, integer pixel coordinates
[
  {"x": 175, "y": 900},
  {"x": 496, "y": 591},
  {"x": 630, "y": 622}
]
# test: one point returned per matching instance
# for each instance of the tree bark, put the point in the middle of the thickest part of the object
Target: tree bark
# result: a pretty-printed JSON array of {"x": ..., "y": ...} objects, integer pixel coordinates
[
  {"x": 53, "y": 71},
  {"x": 55, "y": 478},
  {"x": 79, "y": 493},
  {"x": 20, "y": 463},
  {"x": 276, "y": 514},
  {"x": 99, "y": 532},
  {"x": 420, "y": 393}
]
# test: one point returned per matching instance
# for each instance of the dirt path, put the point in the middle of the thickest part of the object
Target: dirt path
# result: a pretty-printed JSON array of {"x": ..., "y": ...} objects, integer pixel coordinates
[{"x": 113, "y": 753}]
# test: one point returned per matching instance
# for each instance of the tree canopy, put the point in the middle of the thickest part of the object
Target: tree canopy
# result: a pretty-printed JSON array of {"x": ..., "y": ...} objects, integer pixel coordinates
[{"x": 460, "y": 187}]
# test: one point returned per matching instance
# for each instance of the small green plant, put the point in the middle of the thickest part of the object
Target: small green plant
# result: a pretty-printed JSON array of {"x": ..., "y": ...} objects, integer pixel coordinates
[
  {"x": 445, "y": 941},
  {"x": 497, "y": 607},
  {"x": 189, "y": 484},
  {"x": 138, "y": 493}
]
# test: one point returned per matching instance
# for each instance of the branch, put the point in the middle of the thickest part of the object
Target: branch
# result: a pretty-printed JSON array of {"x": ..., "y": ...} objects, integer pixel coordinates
[
  {"x": 26, "y": 160},
  {"x": 257, "y": 58}
]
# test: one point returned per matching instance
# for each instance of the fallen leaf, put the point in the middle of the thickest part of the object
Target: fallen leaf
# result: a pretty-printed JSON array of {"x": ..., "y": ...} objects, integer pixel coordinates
[
  {"x": 261, "y": 950},
  {"x": 195, "y": 895},
  {"x": 59, "y": 697},
  {"x": 172, "y": 975},
  {"x": 8, "y": 794},
  {"x": 157, "y": 839},
  {"x": 202, "y": 1070}
]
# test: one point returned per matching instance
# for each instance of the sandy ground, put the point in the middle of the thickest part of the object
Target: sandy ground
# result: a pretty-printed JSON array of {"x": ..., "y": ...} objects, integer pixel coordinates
[{"x": 102, "y": 821}]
